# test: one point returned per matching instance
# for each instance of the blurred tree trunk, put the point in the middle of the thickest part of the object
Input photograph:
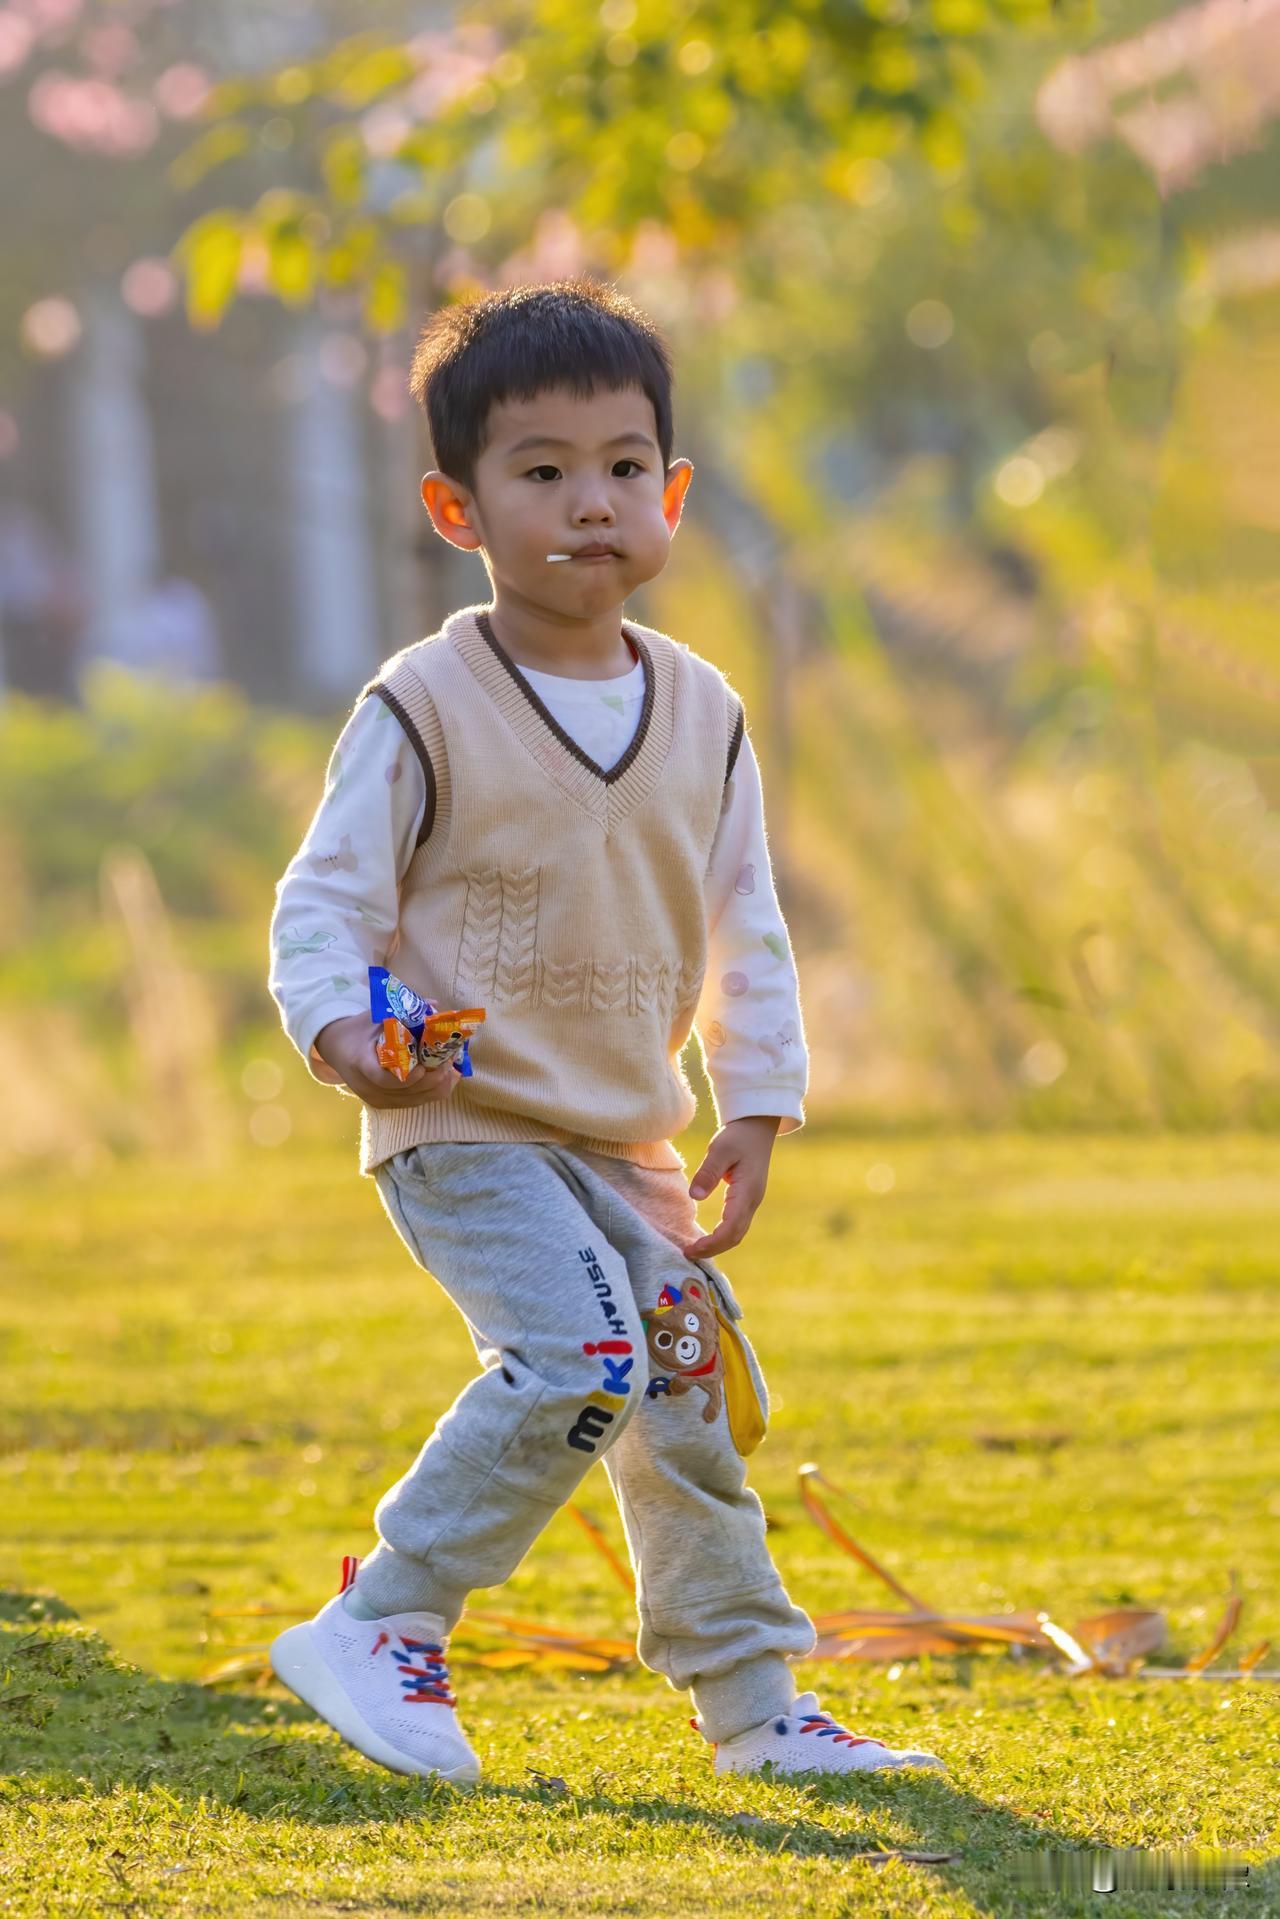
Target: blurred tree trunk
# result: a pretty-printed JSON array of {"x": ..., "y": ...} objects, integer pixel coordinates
[
  {"x": 398, "y": 481},
  {"x": 112, "y": 462},
  {"x": 336, "y": 639}
]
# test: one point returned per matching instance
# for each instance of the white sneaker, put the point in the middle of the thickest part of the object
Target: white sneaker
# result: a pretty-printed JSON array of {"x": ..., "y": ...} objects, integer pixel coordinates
[
  {"x": 383, "y": 1684},
  {"x": 806, "y": 1740}
]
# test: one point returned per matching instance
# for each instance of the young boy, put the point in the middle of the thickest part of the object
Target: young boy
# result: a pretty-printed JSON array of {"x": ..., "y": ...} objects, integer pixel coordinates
[{"x": 555, "y": 814}]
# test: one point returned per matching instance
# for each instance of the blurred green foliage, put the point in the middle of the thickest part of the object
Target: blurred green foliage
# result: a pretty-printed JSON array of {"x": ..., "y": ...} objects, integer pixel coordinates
[
  {"x": 708, "y": 119},
  {"x": 211, "y": 789}
]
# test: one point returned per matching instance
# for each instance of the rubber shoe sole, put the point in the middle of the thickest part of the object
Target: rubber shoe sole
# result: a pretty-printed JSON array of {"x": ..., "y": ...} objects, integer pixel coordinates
[{"x": 296, "y": 1661}]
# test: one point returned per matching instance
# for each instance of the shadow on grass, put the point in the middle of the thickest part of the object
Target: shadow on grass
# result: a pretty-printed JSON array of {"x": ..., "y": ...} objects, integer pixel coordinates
[{"x": 76, "y": 1720}]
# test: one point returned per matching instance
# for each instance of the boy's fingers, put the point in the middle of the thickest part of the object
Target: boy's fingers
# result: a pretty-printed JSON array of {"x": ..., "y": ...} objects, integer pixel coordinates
[
  {"x": 739, "y": 1210},
  {"x": 707, "y": 1177},
  {"x": 718, "y": 1241},
  {"x": 380, "y": 1087},
  {"x": 429, "y": 1079}
]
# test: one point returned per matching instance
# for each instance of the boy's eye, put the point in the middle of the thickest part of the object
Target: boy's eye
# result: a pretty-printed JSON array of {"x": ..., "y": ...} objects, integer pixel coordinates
[{"x": 554, "y": 471}]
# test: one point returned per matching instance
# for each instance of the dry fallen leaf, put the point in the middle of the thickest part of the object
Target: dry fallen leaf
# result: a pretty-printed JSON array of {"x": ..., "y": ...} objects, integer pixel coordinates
[
  {"x": 1113, "y": 1643},
  {"x": 808, "y": 1474},
  {"x": 1226, "y": 1626},
  {"x": 253, "y": 1666},
  {"x": 595, "y": 1533},
  {"x": 1118, "y": 1641}
]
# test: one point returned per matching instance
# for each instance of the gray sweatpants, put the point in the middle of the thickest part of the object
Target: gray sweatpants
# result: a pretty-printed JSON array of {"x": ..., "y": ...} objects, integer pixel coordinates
[{"x": 551, "y": 1256}]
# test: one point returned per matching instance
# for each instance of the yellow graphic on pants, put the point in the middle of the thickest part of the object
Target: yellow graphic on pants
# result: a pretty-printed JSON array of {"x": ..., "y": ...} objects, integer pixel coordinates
[{"x": 746, "y": 1418}]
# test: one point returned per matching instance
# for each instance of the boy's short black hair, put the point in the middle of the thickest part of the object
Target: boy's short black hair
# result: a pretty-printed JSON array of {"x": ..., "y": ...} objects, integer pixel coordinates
[{"x": 521, "y": 341}]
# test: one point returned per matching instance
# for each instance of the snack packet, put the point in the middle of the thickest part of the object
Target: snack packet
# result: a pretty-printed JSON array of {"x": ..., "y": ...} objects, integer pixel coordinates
[{"x": 413, "y": 1030}]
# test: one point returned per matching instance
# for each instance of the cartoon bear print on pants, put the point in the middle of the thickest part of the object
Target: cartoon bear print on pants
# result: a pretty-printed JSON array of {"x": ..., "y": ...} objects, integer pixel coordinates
[{"x": 683, "y": 1338}]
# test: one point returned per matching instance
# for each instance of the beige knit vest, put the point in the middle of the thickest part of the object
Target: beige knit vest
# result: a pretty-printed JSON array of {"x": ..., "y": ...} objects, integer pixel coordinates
[{"x": 564, "y": 898}]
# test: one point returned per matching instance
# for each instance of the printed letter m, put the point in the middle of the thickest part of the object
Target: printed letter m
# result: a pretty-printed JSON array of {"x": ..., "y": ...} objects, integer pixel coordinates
[{"x": 588, "y": 1426}]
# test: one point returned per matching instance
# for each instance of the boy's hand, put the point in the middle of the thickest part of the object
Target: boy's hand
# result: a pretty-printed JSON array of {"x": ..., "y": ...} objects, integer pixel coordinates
[
  {"x": 739, "y": 1154},
  {"x": 350, "y": 1046}
]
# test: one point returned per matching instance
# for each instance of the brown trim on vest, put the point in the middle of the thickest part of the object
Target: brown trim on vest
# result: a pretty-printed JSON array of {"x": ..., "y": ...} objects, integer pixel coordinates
[
  {"x": 415, "y": 740},
  {"x": 735, "y": 744},
  {"x": 549, "y": 719}
]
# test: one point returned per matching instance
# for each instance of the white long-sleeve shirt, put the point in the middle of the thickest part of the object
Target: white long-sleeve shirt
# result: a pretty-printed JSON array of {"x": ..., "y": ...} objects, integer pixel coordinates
[{"x": 748, "y": 1015}]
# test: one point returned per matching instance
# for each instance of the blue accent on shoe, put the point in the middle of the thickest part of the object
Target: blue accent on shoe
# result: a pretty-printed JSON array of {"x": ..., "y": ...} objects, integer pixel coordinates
[{"x": 779, "y": 1725}]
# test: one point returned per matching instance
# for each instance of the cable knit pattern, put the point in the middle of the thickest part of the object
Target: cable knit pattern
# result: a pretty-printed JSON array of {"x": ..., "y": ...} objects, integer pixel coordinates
[
  {"x": 498, "y": 951},
  {"x": 631, "y": 986}
]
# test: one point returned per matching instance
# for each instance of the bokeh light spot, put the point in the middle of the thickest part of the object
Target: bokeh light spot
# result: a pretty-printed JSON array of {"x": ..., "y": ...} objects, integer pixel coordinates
[
  {"x": 1019, "y": 482},
  {"x": 930, "y": 324},
  {"x": 695, "y": 56},
  {"x": 262, "y": 1079},
  {"x": 684, "y": 151},
  {"x": 51, "y": 327},
  {"x": 149, "y": 287},
  {"x": 1042, "y": 1063},
  {"x": 467, "y": 218}
]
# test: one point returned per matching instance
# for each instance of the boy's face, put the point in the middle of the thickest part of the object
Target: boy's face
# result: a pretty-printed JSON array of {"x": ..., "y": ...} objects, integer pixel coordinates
[{"x": 557, "y": 474}]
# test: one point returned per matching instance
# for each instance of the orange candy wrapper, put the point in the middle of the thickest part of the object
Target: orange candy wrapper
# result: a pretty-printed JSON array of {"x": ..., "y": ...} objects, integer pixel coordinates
[{"x": 414, "y": 1030}]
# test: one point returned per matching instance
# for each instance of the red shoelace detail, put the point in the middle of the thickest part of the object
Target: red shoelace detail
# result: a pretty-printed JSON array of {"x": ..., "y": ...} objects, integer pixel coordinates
[
  {"x": 826, "y": 1728},
  {"x": 824, "y": 1725},
  {"x": 427, "y": 1682}
]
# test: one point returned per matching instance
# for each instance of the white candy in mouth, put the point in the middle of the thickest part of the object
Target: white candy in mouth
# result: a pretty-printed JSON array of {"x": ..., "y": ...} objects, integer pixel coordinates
[{"x": 559, "y": 556}]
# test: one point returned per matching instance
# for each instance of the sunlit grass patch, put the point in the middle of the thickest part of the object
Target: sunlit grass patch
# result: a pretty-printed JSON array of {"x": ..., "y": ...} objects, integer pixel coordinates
[{"x": 207, "y": 1389}]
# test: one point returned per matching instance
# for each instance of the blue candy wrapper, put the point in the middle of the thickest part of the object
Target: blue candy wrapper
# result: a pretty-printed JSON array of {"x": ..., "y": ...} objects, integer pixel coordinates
[{"x": 414, "y": 1030}]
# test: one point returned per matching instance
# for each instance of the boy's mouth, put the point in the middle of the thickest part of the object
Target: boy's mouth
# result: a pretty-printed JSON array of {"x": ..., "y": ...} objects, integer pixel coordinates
[{"x": 587, "y": 554}]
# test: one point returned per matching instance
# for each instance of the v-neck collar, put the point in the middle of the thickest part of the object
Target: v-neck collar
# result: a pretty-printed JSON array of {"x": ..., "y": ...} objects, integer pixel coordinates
[
  {"x": 608, "y": 794},
  {"x": 549, "y": 719}
]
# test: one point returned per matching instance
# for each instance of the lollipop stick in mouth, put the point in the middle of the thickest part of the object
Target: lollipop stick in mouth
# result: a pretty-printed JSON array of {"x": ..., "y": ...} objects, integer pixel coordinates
[{"x": 559, "y": 556}]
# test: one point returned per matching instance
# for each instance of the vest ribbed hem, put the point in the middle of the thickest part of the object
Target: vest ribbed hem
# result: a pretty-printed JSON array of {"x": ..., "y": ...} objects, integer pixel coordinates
[{"x": 386, "y": 1131}]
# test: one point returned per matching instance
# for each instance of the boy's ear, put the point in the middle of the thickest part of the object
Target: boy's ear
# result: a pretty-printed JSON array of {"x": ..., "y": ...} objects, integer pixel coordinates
[
  {"x": 449, "y": 507},
  {"x": 679, "y": 474}
]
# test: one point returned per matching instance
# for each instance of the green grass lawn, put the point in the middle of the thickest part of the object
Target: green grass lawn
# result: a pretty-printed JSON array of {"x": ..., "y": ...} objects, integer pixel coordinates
[{"x": 209, "y": 1378}]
